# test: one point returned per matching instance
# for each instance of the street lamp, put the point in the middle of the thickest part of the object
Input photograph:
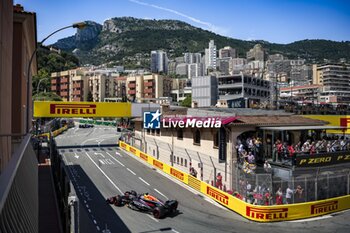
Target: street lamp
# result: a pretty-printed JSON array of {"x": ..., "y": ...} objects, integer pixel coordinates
[{"x": 79, "y": 25}]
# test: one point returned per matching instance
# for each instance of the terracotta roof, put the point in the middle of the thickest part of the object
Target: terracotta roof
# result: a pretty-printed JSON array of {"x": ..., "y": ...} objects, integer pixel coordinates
[{"x": 276, "y": 121}]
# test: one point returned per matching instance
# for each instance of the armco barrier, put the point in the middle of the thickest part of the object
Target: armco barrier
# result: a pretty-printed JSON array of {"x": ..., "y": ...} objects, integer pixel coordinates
[
  {"x": 54, "y": 133},
  {"x": 249, "y": 211}
]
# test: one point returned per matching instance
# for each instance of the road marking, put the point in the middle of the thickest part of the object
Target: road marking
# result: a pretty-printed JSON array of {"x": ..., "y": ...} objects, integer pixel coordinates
[
  {"x": 173, "y": 230},
  {"x": 153, "y": 218},
  {"x": 87, "y": 206},
  {"x": 109, "y": 179},
  {"x": 96, "y": 153},
  {"x": 97, "y": 228},
  {"x": 100, "y": 160},
  {"x": 95, "y": 222},
  {"x": 117, "y": 153},
  {"x": 160, "y": 193},
  {"x": 131, "y": 171},
  {"x": 89, "y": 210},
  {"x": 115, "y": 159},
  {"x": 144, "y": 181}
]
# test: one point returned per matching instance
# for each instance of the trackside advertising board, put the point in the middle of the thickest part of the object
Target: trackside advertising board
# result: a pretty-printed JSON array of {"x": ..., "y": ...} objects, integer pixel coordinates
[
  {"x": 81, "y": 109},
  {"x": 334, "y": 120},
  {"x": 253, "y": 212}
]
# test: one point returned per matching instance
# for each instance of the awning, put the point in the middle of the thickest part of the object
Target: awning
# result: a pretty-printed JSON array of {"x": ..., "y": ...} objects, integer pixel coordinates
[{"x": 304, "y": 127}]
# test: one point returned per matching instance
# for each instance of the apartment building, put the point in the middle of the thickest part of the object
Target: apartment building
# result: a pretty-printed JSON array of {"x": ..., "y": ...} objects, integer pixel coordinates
[
  {"x": 181, "y": 88},
  {"x": 140, "y": 87},
  {"x": 335, "y": 79},
  {"x": 101, "y": 85},
  {"x": 257, "y": 53},
  {"x": 227, "y": 51},
  {"x": 301, "y": 93},
  {"x": 70, "y": 85},
  {"x": 19, "y": 204},
  {"x": 120, "y": 87}
]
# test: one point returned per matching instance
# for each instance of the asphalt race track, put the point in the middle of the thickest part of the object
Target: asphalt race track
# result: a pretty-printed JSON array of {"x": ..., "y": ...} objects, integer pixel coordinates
[{"x": 100, "y": 172}]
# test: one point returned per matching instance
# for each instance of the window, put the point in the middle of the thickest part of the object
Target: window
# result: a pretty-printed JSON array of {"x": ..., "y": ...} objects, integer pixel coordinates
[
  {"x": 177, "y": 160},
  {"x": 158, "y": 132},
  {"x": 216, "y": 139},
  {"x": 180, "y": 134},
  {"x": 182, "y": 161},
  {"x": 197, "y": 137},
  {"x": 185, "y": 162}
]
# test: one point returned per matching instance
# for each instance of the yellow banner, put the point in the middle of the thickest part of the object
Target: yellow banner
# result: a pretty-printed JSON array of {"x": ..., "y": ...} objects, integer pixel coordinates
[
  {"x": 81, "y": 109},
  {"x": 253, "y": 212},
  {"x": 334, "y": 120}
]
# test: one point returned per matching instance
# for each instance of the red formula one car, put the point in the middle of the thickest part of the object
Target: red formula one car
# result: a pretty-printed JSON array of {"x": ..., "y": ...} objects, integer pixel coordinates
[{"x": 144, "y": 202}]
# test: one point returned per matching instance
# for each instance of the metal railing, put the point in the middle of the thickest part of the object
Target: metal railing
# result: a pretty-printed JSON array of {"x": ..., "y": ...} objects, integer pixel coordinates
[{"x": 19, "y": 204}]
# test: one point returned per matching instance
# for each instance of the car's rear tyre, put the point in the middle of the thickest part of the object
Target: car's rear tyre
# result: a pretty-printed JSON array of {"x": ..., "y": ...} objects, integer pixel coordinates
[
  {"x": 118, "y": 200},
  {"x": 158, "y": 212}
]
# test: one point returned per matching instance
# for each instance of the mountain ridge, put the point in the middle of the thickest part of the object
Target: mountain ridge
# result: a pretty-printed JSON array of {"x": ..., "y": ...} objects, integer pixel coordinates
[{"x": 123, "y": 40}]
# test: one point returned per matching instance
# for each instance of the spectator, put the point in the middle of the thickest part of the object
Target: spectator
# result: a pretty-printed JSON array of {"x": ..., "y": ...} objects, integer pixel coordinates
[
  {"x": 279, "y": 198},
  {"x": 291, "y": 150},
  {"x": 279, "y": 147},
  {"x": 251, "y": 158},
  {"x": 219, "y": 181},
  {"x": 299, "y": 194},
  {"x": 193, "y": 172},
  {"x": 312, "y": 148},
  {"x": 267, "y": 166},
  {"x": 289, "y": 193},
  {"x": 267, "y": 197}
]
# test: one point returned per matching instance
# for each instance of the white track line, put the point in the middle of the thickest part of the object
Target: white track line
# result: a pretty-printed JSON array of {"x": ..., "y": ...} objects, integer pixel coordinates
[
  {"x": 173, "y": 230},
  {"x": 161, "y": 193},
  {"x": 104, "y": 174},
  {"x": 144, "y": 181},
  {"x": 115, "y": 159},
  {"x": 153, "y": 218},
  {"x": 131, "y": 171}
]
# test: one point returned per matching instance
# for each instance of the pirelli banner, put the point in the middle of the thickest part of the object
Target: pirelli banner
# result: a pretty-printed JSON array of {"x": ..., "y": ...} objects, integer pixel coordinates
[
  {"x": 318, "y": 160},
  {"x": 334, "y": 120},
  {"x": 249, "y": 211},
  {"x": 81, "y": 109}
]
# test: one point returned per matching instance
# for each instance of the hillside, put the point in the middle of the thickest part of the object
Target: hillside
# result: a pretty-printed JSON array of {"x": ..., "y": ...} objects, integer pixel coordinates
[{"x": 128, "y": 40}]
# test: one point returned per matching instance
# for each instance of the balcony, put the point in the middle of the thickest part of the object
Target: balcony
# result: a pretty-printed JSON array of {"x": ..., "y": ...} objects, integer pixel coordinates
[
  {"x": 131, "y": 85},
  {"x": 77, "y": 85},
  {"x": 19, "y": 188},
  {"x": 53, "y": 81},
  {"x": 53, "y": 88},
  {"x": 131, "y": 92},
  {"x": 64, "y": 94},
  {"x": 149, "y": 90},
  {"x": 148, "y": 84},
  {"x": 64, "y": 80},
  {"x": 77, "y": 92},
  {"x": 64, "y": 87}
]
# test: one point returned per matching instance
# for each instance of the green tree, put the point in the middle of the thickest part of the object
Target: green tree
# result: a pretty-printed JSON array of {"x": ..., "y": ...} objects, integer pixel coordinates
[
  {"x": 187, "y": 102},
  {"x": 46, "y": 96}
]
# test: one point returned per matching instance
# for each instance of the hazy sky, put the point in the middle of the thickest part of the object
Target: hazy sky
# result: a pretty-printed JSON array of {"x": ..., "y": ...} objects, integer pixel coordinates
[{"x": 279, "y": 21}]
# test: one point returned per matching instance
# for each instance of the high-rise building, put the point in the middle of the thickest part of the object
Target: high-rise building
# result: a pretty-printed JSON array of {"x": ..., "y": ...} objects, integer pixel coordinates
[
  {"x": 182, "y": 69},
  {"x": 210, "y": 56},
  {"x": 236, "y": 65},
  {"x": 335, "y": 79},
  {"x": 224, "y": 65},
  {"x": 159, "y": 62},
  {"x": 195, "y": 70},
  {"x": 227, "y": 51},
  {"x": 205, "y": 91},
  {"x": 192, "y": 58}
]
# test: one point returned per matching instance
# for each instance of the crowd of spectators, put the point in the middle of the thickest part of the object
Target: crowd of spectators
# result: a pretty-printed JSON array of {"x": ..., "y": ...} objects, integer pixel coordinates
[
  {"x": 283, "y": 150},
  {"x": 262, "y": 195},
  {"x": 250, "y": 149}
]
